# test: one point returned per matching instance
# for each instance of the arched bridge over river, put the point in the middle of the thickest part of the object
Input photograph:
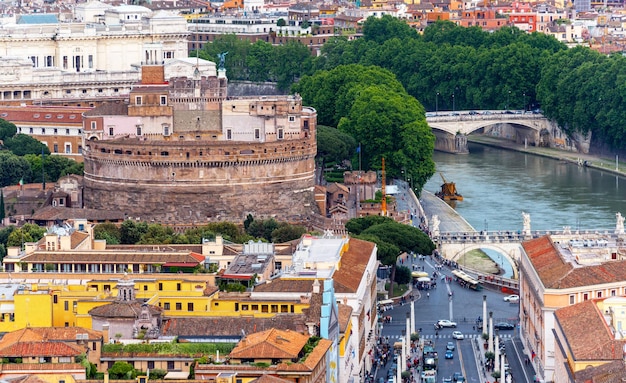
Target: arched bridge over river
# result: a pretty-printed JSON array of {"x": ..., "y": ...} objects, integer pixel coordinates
[{"x": 451, "y": 128}]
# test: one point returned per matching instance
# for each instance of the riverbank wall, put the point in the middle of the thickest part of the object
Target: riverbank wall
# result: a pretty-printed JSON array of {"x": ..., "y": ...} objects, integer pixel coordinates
[{"x": 581, "y": 159}]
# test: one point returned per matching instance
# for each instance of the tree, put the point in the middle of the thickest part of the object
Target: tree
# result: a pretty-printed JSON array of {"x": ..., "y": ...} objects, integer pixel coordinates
[
  {"x": 107, "y": 231},
  {"x": 158, "y": 234},
  {"x": 403, "y": 275},
  {"x": 287, "y": 232},
  {"x": 131, "y": 232},
  {"x": 13, "y": 169},
  {"x": 7, "y": 129},
  {"x": 386, "y": 28},
  {"x": 392, "y": 125},
  {"x": 22, "y": 144},
  {"x": 281, "y": 22},
  {"x": 333, "y": 145},
  {"x": 2, "y": 211},
  {"x": 120, "y": 370},
  {"x": 26, "y": 233}
]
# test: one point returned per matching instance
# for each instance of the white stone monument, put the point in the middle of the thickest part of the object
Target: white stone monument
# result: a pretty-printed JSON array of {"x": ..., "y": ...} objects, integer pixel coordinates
[
  {"x": 436, "y": 222},
  {"x": 619, "y": 225},
  {"x": 526, "y": 218}
]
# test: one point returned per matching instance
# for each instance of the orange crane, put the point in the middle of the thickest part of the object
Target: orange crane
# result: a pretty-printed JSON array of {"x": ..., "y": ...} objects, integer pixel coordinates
[{"x": 383, "y": 204}]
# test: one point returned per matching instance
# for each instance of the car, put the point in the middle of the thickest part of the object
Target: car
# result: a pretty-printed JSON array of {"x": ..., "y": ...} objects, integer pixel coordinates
[
  {"x": 457, "y": 335},
  {"x": 511, "y": 298},
  {"x": 446, "y": 323},
  {"x": 449, "y": 354},
  {"x": 458, "y": 377},
  {"x": 381, "y": 380},
  {"x": 447, "y": 380},
  {"x": 473, "y": 113},
  {"x": 504, "y": 326},
  {"x": 450, "y": 346}
]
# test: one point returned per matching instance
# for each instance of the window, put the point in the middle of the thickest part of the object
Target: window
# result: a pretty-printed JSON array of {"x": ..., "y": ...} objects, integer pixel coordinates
[
  {"x": 170, "y": 365},
  {"x": 572, "y": 299},
  {"x": 166, "y": 305},
  {"x": 163, "y": 100},
  {"x": 255, "y": 307},
  {"x": 257, "y": 134},
  {"x": 274, "y": 308},
  {"x": 190, "y": 306},
  {"x": 68, "y": 148},
  {"x": 138, "y": 100},
  {"x": 613, "y": 293},
  {"x": 178, "y": 287},
  {"x": 585, "y": 296},
  {"x": 179, "y": 306},
  {"x": 292, "y": 118},
  {"x": 264, "y": 309},
  {"x": 56, "y": 148},
  {"x": 244, "y": 307},
  {"x": 166, "y": 130},
  {"x": 229, "y": 134},
  {"x": 280, "y": 134},
  {"x": 599, "y": 294},
  {"x": 90, "y": 60},
  {"x": 66, "y": 305},
  {"x": 93, "y": 125},
  {"x": 110, "y": 130},
  {"x": 64, "y": 62},
  {"x": 139, "y": 130},
  {"x": 151, "y": 364},
  {"x": 160, "y": 286},
  {"x": 43, "y": 130}
]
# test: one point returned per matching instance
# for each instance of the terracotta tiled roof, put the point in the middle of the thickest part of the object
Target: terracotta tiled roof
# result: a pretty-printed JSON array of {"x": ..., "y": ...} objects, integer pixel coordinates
[
  {"x": 78, "y": 237},
  {"x": 95, "y": 256},
  {"x": 286, "y": 285},
  {"x": 270, "y": 344},
  {"x": 612, "y": 372},
  {"x": 587, "y": 332},
  {"x": 556, "y": 273},
  {"x": 52, "y": 213},
  {"x": 40, "y": 349},
  {"x": 231, "y": 326},
  {"x": 269, "y": 379},
  {"x": 7, "y": 367},
  {"x": 32, "y": 334},
  {"x": 345, "y": 312},
  {"x": 353, "y": 264},
  {"x": 109, "y": 109},
  {"x": 122, "y": 310},
  {"x": 546, "y": 260}
]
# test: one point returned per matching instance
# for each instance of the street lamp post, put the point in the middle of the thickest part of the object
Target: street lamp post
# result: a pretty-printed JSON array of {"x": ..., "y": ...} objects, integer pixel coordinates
[
  {"x": 453, "y": 104},
  {"x": 437, "y": 104},
  {"x": 524, "y": 101},
  {"x": 508, "y": 98}
]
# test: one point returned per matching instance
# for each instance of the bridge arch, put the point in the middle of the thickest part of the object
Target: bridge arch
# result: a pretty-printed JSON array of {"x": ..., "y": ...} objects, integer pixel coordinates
[{"x": 510, "y": 251}]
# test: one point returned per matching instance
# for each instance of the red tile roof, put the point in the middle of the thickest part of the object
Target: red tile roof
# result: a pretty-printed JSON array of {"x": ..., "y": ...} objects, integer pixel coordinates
[
  {"x": 353, "y": 264},
  {"x": 556, "y": 273},
  {"x": 587, "y": 333},
  {"x": 40, "y": 349},
  {"x": 270, "y": 344}
]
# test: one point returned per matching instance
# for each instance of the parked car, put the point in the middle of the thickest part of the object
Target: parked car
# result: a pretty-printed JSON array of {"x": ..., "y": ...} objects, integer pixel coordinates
[
  {"x": 447, "y": 380},
  {"x": 450, "y": 346},
  {"x": 457, "y": 335},
  {"x": 504, "y": 326},
  {"x": 511, "y": 298},
  {"x": 449, "y": 354},
  {"x": 458, "y": 377},
  {"x": 446, "y": 323}
]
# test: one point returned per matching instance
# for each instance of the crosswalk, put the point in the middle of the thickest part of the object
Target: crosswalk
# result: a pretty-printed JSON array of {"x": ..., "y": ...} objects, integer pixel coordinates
[{"x": 447, "y": 336}]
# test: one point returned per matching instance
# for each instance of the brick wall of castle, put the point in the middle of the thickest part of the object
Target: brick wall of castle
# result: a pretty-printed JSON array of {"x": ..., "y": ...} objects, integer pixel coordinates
[{"x": 198, "y": 182}]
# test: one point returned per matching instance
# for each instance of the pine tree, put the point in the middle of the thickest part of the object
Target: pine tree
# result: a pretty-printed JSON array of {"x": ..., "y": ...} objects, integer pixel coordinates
[{"x": 2, "y": 214}]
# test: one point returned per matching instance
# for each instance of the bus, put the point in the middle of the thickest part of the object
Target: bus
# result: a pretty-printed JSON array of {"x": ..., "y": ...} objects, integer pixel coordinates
[{"x": 467, "y": 280}]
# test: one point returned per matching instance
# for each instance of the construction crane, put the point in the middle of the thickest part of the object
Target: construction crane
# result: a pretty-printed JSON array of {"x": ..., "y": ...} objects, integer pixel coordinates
[{"x": 383, "y": 204}]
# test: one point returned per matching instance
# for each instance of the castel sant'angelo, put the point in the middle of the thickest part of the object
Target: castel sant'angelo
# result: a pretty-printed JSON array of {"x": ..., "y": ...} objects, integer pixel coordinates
[{"x": 182, "y": 151}]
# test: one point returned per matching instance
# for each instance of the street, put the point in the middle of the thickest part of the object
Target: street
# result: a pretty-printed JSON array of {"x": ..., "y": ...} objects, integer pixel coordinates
[{"x": 464, "y": 306}]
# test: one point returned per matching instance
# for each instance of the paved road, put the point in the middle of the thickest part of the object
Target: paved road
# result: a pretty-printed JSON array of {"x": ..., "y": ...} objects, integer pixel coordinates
[{"x": 449, "y": 218}]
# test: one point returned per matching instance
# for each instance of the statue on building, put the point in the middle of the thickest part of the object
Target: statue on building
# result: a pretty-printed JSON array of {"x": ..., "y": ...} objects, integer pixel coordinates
[
  {"x": 526, "y": 219},
  {"x": 619, "y": 225},
  {"x": 435, "y": 228},
  {"x": 222, "y": 58}
]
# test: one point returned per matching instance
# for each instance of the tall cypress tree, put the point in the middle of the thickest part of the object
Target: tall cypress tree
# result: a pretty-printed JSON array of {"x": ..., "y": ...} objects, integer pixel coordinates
[{"x": 2, "y": 205}]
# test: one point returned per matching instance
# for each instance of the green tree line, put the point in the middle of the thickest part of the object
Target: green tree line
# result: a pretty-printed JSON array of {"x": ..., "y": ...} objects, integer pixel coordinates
[
  {"x": 449, "y": 66},
  {"x": 21, "y": 159}
]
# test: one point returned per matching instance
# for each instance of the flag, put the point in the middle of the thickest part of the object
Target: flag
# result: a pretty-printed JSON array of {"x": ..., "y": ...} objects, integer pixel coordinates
[
  {"x": 358, "y": 149},
  {"x": 21, "y": 183}
]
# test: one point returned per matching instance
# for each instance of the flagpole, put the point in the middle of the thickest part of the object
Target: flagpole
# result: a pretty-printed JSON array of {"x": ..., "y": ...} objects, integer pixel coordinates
[
  {"x": 43, "y": 173},
  {"x": 359, "y": 156}
]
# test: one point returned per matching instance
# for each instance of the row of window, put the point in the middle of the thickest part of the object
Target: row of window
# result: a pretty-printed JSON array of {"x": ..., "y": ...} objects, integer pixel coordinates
[
  {"x": 55, "y": 131},
  {"x": 170, "y": 364},
  {"x": 162, "y": 100},
  {"x": 178, "y": 305},
  {"x": 257, "y": 134},
  {"x": 264, "y": 308},
  {"x": 590, "y": 295}
]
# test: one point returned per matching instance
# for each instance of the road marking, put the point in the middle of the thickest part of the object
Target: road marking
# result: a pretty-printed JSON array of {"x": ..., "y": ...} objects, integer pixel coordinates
[{"x": 461, "y": 359}]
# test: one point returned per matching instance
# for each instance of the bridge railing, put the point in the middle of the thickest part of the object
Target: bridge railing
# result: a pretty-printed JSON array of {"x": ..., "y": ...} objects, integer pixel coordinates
[
  {"x": 515, "y": 236},
  {"x": 482, "y": 116}
]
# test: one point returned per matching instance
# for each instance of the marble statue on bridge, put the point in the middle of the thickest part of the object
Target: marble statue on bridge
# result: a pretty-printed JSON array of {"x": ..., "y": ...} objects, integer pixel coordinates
[
  {"x": 435, "y": 229},
  {"x": 619, "y": 225},
  {"x": 526, "y": 218}
]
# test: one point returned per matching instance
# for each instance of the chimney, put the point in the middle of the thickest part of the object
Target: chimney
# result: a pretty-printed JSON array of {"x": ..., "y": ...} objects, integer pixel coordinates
[
  {"x": 316, "y": 287},
  {"x": 105, "y": 335}
]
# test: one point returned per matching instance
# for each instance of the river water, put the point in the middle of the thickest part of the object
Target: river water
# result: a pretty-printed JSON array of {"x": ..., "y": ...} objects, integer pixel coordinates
[{"x": 498, "y": 185}]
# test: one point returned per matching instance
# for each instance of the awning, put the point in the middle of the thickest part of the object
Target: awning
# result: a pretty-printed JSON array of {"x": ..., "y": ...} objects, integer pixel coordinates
[
  {"x": 177, "y": 375},
  {"x": 423, "y": 279},
  {"x": 385, "y": 302},
  {"x": 417, "y": 274}
]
